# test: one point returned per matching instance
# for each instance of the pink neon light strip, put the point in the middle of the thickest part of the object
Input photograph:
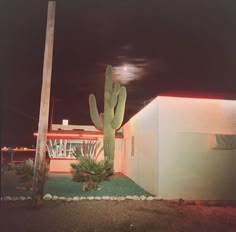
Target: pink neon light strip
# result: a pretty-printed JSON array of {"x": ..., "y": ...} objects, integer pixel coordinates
[{"x": 71, "y": 135}]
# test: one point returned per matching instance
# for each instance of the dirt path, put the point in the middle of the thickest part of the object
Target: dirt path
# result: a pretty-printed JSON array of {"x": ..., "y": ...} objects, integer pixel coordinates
[{"x": 101, "y": 216}]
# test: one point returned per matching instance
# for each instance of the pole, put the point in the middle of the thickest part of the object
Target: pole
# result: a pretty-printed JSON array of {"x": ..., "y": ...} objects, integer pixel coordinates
[
  {"x": 39, "y": 166},
  {"x": 52, "y": 111},
  {"x": 12, "y": 158}
]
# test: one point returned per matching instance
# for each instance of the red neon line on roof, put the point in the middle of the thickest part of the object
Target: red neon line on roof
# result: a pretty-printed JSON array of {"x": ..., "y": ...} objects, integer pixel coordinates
[
  {"x": 71, "y": 135},
  {"x": 90, "y": 135},
  {"x": 18, "y": 149}
]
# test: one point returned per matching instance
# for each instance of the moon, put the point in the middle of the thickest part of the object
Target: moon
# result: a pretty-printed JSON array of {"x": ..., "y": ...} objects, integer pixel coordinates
[
  {"x": 127, "y": 73},
  {"x": 125, "y": 68}
]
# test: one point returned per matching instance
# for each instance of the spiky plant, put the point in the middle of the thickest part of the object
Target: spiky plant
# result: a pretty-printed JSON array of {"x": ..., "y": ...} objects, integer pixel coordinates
[
  {"x": 89, "y": 169},
  {"x": 111, "y": 119}
]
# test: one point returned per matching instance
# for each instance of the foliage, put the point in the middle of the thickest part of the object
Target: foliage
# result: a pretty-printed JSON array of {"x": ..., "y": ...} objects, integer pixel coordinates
[
  {"x": 26, "y": 170},
  {"x": 90, "y": 169},
  {"x": 111, "y": 119}
]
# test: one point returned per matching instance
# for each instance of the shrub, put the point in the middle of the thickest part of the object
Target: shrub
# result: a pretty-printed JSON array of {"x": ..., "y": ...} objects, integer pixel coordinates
[
  {"x": 89, "y": 169},
  {"x": 26, "y": 170}
]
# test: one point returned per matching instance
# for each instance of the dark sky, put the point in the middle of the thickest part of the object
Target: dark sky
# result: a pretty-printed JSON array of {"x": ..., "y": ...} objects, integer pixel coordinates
[{"x": 165, "y": 45}]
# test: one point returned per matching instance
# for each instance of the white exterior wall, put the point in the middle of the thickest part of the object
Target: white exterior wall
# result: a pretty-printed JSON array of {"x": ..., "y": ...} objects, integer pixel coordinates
[
  {"x": 189, "y": 167},
  {"x": 76, "y": 127},
  {"x": 73, "y": 127},
  {"x": 143, "y": 166},
  {"x": 119, "y": 151}
]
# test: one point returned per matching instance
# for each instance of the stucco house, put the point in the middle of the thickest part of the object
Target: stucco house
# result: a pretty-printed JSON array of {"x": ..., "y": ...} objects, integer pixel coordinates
[
  {"x": 178, "y": 147},
  {"x": 175, "y": 147}
]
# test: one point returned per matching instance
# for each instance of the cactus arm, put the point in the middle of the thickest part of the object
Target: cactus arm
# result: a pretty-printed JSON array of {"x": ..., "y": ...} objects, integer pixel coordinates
[
  {"x": 115, "y": 93},
  {"x": 94, "y": 112},
  {"x": 116, "y": 88},
  {"x": 113, "y": 100},
  {"x": 120, "y": 109}
]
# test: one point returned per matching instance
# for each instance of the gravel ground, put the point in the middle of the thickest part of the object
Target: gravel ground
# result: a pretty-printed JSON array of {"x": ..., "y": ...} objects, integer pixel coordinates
[{"x": 101, "y": 216}]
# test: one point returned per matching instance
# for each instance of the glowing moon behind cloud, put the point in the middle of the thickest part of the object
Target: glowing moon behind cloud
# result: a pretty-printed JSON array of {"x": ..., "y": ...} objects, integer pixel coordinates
[
  {"x": 128, "y": 72},
  {"x": 125, "y": 68}
]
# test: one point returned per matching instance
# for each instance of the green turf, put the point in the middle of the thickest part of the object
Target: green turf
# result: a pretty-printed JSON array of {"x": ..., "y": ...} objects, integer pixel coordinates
[{"x": 62, "y": 185}]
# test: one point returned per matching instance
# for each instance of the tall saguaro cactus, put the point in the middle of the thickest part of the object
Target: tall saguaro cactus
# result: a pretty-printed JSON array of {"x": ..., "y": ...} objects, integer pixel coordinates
[{"x": 112, "y": 118}]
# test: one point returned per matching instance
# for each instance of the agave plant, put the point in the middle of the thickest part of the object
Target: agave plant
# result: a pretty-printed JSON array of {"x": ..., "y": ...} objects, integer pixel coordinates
[
  {"x": 90, "y": 169},
  {"x": 25, "y": 172},
  {"x": 25, "y": 169},
  {"x": 90, "y": 150}
]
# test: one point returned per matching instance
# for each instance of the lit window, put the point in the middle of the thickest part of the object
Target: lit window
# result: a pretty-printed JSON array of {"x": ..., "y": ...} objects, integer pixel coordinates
[{"x": 225, "y": 142}]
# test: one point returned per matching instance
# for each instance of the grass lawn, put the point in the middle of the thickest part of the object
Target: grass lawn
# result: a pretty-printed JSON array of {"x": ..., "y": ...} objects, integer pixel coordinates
[{"x": 62, "y": 185}]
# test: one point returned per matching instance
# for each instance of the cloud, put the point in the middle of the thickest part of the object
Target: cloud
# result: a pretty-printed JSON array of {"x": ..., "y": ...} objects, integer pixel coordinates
[
  {"x": 137, "y": 68},
  {"x": 127, "y": 72}
]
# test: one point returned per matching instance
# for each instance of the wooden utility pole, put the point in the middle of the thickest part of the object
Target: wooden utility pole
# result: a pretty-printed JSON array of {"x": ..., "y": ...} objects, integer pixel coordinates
[{"x": 39, "y": 166}]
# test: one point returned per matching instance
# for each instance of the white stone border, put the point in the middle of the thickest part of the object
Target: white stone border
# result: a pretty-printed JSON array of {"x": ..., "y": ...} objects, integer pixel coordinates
[
  {"x": 15, "y": 198},
  {"x": 48, "y": 197}
]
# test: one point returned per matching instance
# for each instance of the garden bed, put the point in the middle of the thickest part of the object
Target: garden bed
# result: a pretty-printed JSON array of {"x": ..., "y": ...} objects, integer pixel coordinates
[{"x": 63, "y": 185}]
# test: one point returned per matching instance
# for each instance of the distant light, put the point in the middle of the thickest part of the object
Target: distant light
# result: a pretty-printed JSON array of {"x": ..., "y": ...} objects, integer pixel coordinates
[
  {"x": 125, "y": 68},
  {"x": 65, "y": 122}
]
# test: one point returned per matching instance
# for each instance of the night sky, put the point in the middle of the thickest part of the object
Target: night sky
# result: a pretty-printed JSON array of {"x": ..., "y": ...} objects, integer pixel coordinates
[{"x": 154, "y": 46}]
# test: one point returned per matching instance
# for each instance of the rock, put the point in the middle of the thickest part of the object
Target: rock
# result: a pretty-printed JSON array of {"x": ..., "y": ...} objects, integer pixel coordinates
[
  {"x": 22, "y": 198},
  {"x": 132, "y": 228},
  {"x": 150, "y": 198},
  {"x": 105, "y": 198},
  {"x": 121, "y": 198},
  {"x": 90, "y": 198},
  {"x": 156, "y": 198},
  {"x": 54, "y": 198},
  {"x": 61, "y": 198},
  {"x": 47, "y": 197},
  {"x": 136, "y": 198},
  {"x": 113, "y": 198},
  {"x": 7, "y": 198},
  {"x": 143, "y": 198},
  {"x": 29, "y": 198},
  {"x": 82, "y": 198},
  {"x": 181, "y": 202},
  {"x": 128, "y": 197},
  {"x": 75, "y": 199},
  {"x": 97, "y": 198},
  {"x": 68, "y": 199},
  {"x": 15, "y": 198}
]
